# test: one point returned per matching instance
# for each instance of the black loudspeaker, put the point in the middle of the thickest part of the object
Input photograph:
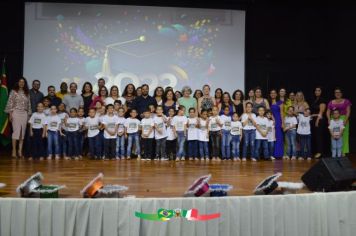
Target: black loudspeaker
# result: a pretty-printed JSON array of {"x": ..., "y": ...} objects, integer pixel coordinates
[{"x": 330, "y": 174}]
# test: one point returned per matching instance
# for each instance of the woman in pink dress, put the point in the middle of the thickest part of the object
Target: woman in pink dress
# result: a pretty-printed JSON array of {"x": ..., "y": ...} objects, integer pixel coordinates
[
  {"x": 19, "y": 108},
  {"x": 344, "y": 107}
]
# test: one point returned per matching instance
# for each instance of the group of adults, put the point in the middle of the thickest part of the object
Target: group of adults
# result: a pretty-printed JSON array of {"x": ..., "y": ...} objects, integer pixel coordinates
[{"x": 22, "y": 102}]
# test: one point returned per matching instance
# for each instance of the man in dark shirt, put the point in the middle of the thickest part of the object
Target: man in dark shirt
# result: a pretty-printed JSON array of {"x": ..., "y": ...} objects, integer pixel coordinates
[
  {"x": 36, "y": 95},
  {"x": 52, "y": 96},
  {"x": 142, "y": 102}
]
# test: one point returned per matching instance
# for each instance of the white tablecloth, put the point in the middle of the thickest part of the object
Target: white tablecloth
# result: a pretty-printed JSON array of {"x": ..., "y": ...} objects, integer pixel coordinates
[{"x": 293, "y": 215}]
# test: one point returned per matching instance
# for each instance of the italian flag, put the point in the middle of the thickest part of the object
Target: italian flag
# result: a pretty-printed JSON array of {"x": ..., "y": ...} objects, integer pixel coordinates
[{"x": 4, "y": 120}]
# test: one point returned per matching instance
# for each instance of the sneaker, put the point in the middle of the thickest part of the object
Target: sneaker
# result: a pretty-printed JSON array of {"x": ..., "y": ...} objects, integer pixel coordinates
[
  {"x": 30, "y": 158},
  {"x": 293, "y": 158},
  {"x": 309, "y": 158},
  {"x": 128, "y": 158},
  {"x": 286, "y": 158},
  {"x": 190, "y": 159},
  {"x": 253, "y": 159},
  {"x": 182, "y": 159},
  {"x": 66, "y": 158},
  {"x": 238, "y": 159},
  {"x": 156, "y": 159},
  {"x": 177, "y": 159},
  {"x": 57, "y": 157},
  {"x": 272, "y": 158},
  {"x": 164, "y": 159},
  {"x": 118, "y": 158},
  {"x": 49, "y": 158},
  {"x": 243, "y": 159},
  {"x": 76, "y": 158},
  {"x": 213, "y": 159},
  {"x": 317, "y": 155},
  {"x": 139, "y": 158},
  {"x": 300, "y": 158}
]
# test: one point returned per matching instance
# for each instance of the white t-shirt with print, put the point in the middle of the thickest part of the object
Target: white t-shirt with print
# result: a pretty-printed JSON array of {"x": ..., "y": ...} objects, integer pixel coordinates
[
  {"x": 62, "y": 116},
  {"x": 271, "y": 135},
  {"x": 110, "y": 123},
  {"x": 37, "y": 120},
  {"x": 161, "y": 125},
  {"x": 304, "y": 124},
  {"x": 53, "y": 122},
  {"x": 262, "y": 122},
  {"x": 236, "y": 128},
  {"x": 92, "y": 124},
  {"x": 226, "y": 120},
  {"x": 249, "y": 125},
  {"x": 121, "y": 125},
  {"x": 132, "y": 125},
  {"x": 192, "y": 129},
  {"x": 73, "y": 124},
  {"x": 203, "y": 131},
  {"x": 179, "y": 122},
  {"x": 289, "y": 121},
  {"x": 214, "y": 124},
  {"x": 170, "y": 131},
  {"x": 336, "y": 126},
  {"x": 146, "y": 125}
]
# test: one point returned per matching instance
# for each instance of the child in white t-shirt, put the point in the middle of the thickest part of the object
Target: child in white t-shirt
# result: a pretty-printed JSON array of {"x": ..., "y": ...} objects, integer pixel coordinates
[
  {"x": 92, "y": 124},
  {"x": 225, "y": 134},
  {"x": 236, "y": 136},
  {"x": 215, "y": 125},
  {"x": 63, "y": 147},
  {"x": 132, "y": 127},
  {"x": 336, "y": 129},
  {"x": 81, "y": 135},
  {"x": 290, "y": 124},
  {"x": 180, "y": 128},
  {"x": 160, "y": 134},
  {"x": 204, "y": 135},
  {"x": 147, "y": 136},
  {"x": 120, "y": 140},
  {"x": 249, "y": 131},
  {"x": 53, "y": 133},
  {"x": 304, "y": 134},
  {"x": 192, "y": 134},
  {"x": 110, "y": 123},
  {"x": 271, "y": 134},
  {"x": 171, "y": 136},
  {"x": 261, "y": 134},
  {"x": 37, "y": 133},
  {"x": 73, "y": 125}
]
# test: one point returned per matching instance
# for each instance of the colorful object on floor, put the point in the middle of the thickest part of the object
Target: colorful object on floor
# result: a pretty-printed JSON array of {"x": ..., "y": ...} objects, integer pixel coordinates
[
  {"x": 199, "y": 188},
  {"x": 33, "y": 187},
  {"x": 97, "y": 189},
  {"x": 219, "y": 190},
  {"x": 290, "y": 187},
  {"x": 268, "y": 185},
  {"x": 166, "y": 215},
  {"x": 2, "y": 185}
]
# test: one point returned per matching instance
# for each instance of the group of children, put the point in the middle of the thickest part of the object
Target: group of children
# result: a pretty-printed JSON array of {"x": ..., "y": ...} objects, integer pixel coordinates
[{"x": 158, "y": 137}]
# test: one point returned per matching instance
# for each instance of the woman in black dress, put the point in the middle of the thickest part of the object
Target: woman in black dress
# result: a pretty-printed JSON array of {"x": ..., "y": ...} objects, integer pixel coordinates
[
  {"x": 88, "y": 96},
  {"x": 318, "y": 107}
]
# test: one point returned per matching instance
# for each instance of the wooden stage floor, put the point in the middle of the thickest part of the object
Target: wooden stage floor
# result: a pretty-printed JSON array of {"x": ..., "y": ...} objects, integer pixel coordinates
[{"x": 147, "y": 178}]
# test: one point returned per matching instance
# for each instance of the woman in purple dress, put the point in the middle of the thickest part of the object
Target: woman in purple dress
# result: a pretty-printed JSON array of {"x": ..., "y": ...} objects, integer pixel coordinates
[{"x": 277, "y": 111}]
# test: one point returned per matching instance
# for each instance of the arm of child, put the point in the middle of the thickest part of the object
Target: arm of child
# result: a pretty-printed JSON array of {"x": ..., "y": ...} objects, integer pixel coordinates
[{"x": 31, "y": 133}]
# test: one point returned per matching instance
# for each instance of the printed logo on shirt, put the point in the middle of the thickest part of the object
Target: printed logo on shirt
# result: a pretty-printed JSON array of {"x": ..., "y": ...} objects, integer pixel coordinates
[
  {"x": 160, "y": 125},
  {"x": 132, "y": 125},
  {"x": 72, "y": 125},
  {"x": 336, "y": 130},
  {"x": 303, "y": 124},
  {"x": 146, "y": 128},
  {"x": 37, "y": 121},
  {"x": 93, "y": 127},
  {"x": 263, "y": 127},
  {"x": 121, "y": 126},
  {"x": 180, "y": 125},
  {"x": 191, "y": 125},
  {"x": 111, "y": 125},
  {"x": 235, "y": 129},
  {"x": 53, "y": 124},
  {"x": 227, "y": 123}
]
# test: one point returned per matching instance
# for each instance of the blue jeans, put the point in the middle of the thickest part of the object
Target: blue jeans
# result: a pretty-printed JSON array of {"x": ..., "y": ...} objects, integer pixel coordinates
[
  {"x": 53, "y": 142},
  {"x": 225, "y": 144},
  {"x": 81, "y": 141},
  {"x": 336, "y": 147},
  {"x": 248, "y": 140},
  {"x": 204, "y": 149},
  {"x": 101, "y": 143},
  {"x": 37, "y": 144},
  {"x": 271, "y": 148},
  {"x": 94, "y": 146},
  {"x": 134, "y": 137},
  {"x": 305, "y": 145},
  {"x": 235, "y": 142},
  {"x": 73, "y": 143},
  {"x": 180, "y": 141},
  {"x": 120, "y": 146},
  {"x": 192, "y": 148},
  {"x": 264, "y": 144},
  {"x": 63, "y": 144},
  {"x": 291, "y": 142}
]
